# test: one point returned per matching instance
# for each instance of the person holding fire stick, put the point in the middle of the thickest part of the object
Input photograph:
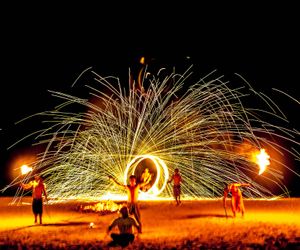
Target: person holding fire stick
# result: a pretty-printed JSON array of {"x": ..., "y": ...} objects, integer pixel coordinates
[
  {"x": 132, "y": 193},
  {"x": 38, "y": 190}
]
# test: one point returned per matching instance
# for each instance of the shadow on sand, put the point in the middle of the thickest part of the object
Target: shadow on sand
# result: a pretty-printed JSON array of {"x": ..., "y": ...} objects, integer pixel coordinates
[
  {"x": 58, "y": 224},
  {"x": 194, "y": 216}
]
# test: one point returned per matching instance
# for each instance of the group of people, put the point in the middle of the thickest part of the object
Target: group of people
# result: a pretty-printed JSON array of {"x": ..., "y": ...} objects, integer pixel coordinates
[
  {"x": 125, "y": 225},
  {"x": 125, "y": 222}
]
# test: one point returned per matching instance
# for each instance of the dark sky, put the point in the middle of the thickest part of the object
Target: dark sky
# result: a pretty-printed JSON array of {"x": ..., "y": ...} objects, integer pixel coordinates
[{"x": 46, "y": 49}]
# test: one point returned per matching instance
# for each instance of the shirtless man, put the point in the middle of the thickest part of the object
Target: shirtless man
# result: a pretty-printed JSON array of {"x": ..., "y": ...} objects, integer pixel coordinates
[
  {"x": 176, "y": 178},
  {"x": 132, "y": 194},
  {"x": 237, "y": 204},
  {"x": 125, "y": 225}
]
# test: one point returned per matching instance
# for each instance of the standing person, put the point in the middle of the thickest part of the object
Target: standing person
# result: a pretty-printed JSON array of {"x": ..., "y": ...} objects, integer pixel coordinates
[
  {"x": 38, "y": 190},
  {"x": 176, "y": 178},
  {"x": 132, "y": 193},
  {"x": 146, "y": 179},
  {"x": 125, "y": 224},
  {"x": 237, "y": 204}
]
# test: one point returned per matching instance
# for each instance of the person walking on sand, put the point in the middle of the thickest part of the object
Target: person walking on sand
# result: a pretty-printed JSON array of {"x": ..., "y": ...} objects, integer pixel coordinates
[
  {"x": 38, "y": 190},
  {"x": 125, "y": 224},
  {"x": 132, "y": 193},
  {"x": 176, "y": 178},
  {"x": 237, "y": 204}
]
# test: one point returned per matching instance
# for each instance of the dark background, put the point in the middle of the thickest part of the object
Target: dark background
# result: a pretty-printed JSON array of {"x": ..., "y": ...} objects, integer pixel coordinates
[{"x": 47, "y": 47}]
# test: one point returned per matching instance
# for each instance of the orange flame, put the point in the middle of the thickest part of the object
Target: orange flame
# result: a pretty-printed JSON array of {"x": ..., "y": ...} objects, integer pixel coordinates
[
  {"x": 103, "y": 207},
  {"x": 262, "y": 160},
  {"x": 25, "y": 169},
  {"x": 142, "y": 60}
]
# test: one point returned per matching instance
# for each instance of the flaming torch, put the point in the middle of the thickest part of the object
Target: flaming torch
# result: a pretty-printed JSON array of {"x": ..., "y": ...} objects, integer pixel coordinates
[
  {"x": 25, "y": 169},
  {"x": 262, "y": 160}
]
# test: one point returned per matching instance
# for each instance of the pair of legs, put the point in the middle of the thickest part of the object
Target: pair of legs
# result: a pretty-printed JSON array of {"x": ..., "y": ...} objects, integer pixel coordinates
[
  {"x": 237, "y": 205},
  {"x": 37, "y": 209},
  {"x": 122, "y": 240},
  {"x": 134, "y": 210},
  {"x": 40, "y": 218},
  {"x": 176, "y": 192}
]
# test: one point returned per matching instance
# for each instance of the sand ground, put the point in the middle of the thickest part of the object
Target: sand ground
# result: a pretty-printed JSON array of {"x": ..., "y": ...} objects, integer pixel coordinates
[{"x": 202, "y": 224}]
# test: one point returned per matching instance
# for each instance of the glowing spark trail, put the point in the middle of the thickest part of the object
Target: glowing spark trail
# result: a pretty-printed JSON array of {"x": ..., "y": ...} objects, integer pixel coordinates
[{"x": 200, "y": 126}]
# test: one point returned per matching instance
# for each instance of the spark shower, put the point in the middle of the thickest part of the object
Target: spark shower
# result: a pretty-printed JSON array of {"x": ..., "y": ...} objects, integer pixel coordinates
[{"x": 204, "y": 127}]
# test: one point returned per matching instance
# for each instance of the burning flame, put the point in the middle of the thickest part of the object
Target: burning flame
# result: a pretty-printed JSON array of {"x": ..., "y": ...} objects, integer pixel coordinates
[
  {"x": 142, "y": 60},
  {"x": 25, "y": 169},
  {"x": 262, "y": 160},
  {"x": 103, "y": 207}
]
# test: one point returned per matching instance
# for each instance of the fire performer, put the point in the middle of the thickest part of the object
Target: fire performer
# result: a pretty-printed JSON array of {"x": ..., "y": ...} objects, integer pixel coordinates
[
  {"x": 237, "y": 204},
  {"x": 38, "y": 190},
  {"x": 132, "y": 192},
  {"x": 146, "y": 179},
  {"x": 176, "y": 178},
  {"x": 125, "y": 224}
]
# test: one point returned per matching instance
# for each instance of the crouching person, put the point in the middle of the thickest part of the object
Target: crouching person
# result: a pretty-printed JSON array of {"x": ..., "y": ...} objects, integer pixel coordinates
[{"x": 125, "y": 225}]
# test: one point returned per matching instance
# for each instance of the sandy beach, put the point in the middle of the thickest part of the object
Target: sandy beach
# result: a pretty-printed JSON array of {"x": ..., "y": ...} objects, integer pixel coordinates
[{"x": 201, "y": 224}]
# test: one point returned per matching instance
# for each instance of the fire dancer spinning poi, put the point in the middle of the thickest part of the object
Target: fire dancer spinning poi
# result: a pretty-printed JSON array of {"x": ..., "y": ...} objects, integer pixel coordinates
[
  {"x": 132, "y": 193},
  {"x": 146, "y": 180},
  {"x": 38, "y": 190}
]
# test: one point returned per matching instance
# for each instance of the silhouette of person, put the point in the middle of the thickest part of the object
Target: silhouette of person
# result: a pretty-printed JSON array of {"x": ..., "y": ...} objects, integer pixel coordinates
[
  {"x": 237, "y": 204},
  {"x": 176, "y": 178},
  {"x": 125, "y": 224},
  {"x": 146, "y": 179},
  {"x": 38, "y": 190}
]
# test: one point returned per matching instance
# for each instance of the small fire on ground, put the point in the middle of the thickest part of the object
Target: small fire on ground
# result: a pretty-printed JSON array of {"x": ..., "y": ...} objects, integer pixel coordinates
[{"x": 103, "y": 207}]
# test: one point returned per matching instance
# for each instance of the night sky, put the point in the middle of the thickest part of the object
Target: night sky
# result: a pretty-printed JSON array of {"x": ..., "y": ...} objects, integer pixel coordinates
[{"x": 47, "y": 50}]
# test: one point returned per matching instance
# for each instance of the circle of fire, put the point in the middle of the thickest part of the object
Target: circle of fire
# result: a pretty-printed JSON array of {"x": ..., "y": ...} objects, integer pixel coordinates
[{"x": 162, "y": 173}]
